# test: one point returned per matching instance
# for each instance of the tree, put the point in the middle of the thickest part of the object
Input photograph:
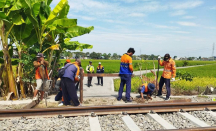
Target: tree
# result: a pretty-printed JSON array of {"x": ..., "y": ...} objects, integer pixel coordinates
[
  {"x": 115, "y": 56},
  {"x": 174, "y": 57},
  {"x": 93, "y": 55},
  {"x": 33, "y": 27}
]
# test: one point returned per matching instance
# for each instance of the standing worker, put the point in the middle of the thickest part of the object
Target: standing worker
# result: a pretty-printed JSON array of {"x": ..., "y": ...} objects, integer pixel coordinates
[
  {"x": 100, "y": 69},
  {"x": 41, "y": 75},
  {"x": 126, "y": 70},
  {"x": 90, "y": 70},
  {"x": 68, "y": 80},
  {"x": 168, "y": 72}
]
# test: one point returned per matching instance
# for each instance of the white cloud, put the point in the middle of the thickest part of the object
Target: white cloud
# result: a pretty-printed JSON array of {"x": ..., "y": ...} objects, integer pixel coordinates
[
  {"x": 177, "y": 13},
  {"x": 137, "y": 14},
  {"x": 186, "y": 5},
  {"x": 182, "y": 32},
  {"x": 188, "y": 17},
  {"x": 165, "y": 26},
  {"x": 87, "y": 18},
  {"x": 183, "y": 23}
]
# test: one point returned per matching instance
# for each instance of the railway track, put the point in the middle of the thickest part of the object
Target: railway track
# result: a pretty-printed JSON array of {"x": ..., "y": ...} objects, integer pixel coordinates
[{"x": 163, "y": 116}]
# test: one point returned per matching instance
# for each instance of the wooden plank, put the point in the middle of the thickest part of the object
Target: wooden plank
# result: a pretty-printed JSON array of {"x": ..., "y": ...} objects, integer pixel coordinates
[
  {"x": 81, "y": 85},
  {"x": 32, "y": 104}
]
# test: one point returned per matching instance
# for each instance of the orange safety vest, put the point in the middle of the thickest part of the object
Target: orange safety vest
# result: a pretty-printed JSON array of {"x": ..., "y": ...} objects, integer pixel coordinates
[
  {"x": 77, "y": 77},
  {"x": 169, "y": 68},
  {"x": 146, "y": 87},
  {"x": 37, "y": 74},
  {"x": 100, "y": 67}
]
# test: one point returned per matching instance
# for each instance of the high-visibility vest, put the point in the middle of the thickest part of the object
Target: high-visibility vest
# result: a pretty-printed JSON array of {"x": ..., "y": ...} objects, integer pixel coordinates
[
  {"x": 126, "y": 65},
  {"x": 37, "y": 74},
  {"x": 77, "y": 77},
  {"x": 169, "y": 69},
  {"x": 146, "y": 87}
]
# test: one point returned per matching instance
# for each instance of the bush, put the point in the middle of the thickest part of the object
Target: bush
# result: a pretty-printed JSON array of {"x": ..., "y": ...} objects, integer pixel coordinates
[{"x": 185, "y": 63}]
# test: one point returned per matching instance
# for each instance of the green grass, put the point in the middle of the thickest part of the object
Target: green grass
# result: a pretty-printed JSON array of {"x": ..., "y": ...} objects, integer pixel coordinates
[
  {"x": 203, "y": 76},
  {"x": 112, "y": 66}
]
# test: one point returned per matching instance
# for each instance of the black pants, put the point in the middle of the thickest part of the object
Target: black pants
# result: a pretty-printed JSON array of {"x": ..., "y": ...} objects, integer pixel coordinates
[
  {"x": 69, "y": 91},
  {"x": 77, "y": 86},
  {"x": 167, "y": 83},
  {"x": 89, "y": 81},
  {"x": 98, "y": 78}
]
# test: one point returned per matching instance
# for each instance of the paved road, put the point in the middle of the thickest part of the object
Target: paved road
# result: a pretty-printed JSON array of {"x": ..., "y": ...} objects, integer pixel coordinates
[{"x": 107, "y": 90}]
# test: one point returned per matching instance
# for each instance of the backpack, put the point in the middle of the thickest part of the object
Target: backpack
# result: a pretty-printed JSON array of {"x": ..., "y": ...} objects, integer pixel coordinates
[{"x": 62, "y": 71}]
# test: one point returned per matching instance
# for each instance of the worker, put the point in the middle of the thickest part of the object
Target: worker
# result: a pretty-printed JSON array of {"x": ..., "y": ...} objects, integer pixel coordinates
[
  {"x": 41, "y": 75},
  {"x": 90, "y": 70},
  {"x": 59, "y": 96},
  {"x": 100, "y": 69},
  {"x": 146, "y": 89},
  {"x": 126, "y": 70},
  {"x": 68, "y": 80},
  {"x": 168, "y": 73}
]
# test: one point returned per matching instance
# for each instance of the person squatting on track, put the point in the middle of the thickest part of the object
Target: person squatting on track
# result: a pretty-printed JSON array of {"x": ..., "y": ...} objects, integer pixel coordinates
[
  {"x": 126, "y": 70},
  {"x": 70, "y": 77},
  {"x": 146, "y": 89},
  {"x": 168, "y": 72},
  {"x": 100, "y": 69},
  {"x": 41, "y": 75},
  {"x": 90, "y": 70}
]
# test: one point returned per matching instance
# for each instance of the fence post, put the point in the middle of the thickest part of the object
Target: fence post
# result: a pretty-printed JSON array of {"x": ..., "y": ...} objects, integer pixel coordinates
[{"x": 81, "y": 84}]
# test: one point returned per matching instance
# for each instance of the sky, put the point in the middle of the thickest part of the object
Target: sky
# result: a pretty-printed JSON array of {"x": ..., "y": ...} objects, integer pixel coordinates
[{"x": 182, "y": 28}]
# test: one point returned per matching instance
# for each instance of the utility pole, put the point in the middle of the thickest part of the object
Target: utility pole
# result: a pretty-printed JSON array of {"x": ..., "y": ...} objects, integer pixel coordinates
[{"x": 213, "y": 52}]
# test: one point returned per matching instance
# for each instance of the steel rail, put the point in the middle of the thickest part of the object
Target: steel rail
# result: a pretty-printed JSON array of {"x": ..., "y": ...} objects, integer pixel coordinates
[{"x": 112, "y": 109}]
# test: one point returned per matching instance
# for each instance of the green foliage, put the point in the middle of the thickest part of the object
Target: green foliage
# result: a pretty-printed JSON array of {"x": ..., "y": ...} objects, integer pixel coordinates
[
  {"x": 202, "y": 76},
  {"x": 183, "y": 75},
  {"x": 185, "y": 63}
]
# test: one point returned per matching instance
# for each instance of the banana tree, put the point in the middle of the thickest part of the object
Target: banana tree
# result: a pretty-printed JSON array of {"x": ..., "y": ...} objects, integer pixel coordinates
[{"x": 8, "y": 19}]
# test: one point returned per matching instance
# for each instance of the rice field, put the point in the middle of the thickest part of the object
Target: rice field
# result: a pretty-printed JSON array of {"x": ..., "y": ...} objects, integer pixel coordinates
[
  {"x": 203, "y": 76},
  {"x": 112, "y": 66}
]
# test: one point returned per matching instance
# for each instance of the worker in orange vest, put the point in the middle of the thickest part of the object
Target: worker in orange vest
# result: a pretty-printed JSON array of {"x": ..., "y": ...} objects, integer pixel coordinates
[
  {"x": 126, "y": 70},
  {"x": 146, "y": 89},
  {"x": 168, "y": 73},
  {"x": 68, "y": 80},
  {"x": 41, "y": 75}
]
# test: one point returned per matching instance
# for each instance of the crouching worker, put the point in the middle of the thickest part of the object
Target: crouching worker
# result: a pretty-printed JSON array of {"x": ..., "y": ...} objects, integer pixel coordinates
[
  {"x": 146, "y": 89},
  {"x": 68, "y": 80}
]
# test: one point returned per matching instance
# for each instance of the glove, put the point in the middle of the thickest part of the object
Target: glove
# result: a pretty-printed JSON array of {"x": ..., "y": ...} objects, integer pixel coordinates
[
  {"x": 159, "y": 57},
  {"x": 173, "y": 79}
]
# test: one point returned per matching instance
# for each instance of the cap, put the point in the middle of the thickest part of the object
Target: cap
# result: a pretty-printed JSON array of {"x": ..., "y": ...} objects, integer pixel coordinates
[
  {"x": 90, "y": 61},
  {"x": 39, "y": 55},
  {"x": 151, "y": 87},
  {"x": 68, "y": 61},
  {"x": 99, "y": 63}
]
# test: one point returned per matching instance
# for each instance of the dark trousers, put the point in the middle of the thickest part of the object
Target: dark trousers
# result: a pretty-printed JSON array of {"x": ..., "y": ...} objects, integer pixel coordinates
[
  {"x": 98, "y": 78},
  {"x": 58, "y": 96},
  {"x": 89, "y": 81},
  {"x": 77, "y": 86},
  {"x": 69, "y": 91},
  {"x": 167, "y": 83},
  {"x": 125, "y": 79}
]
